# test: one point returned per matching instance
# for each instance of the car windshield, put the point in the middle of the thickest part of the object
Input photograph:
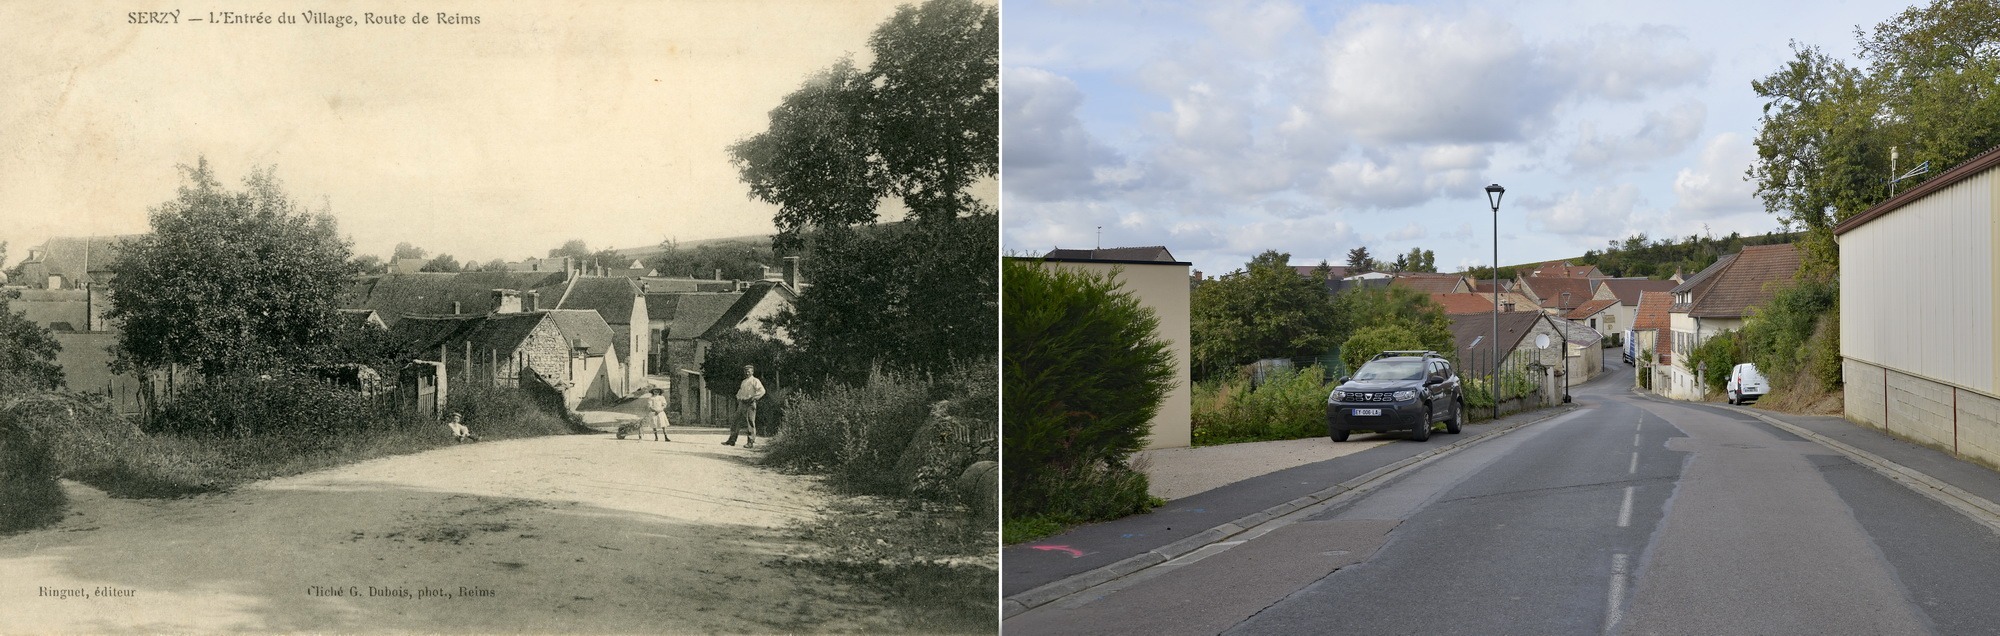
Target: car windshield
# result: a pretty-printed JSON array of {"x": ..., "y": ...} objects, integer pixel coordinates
[{"x": 1391, "y": 370}]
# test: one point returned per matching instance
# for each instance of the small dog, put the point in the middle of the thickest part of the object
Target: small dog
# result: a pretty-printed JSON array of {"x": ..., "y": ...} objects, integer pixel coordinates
[{"x": 458, "y": 429}]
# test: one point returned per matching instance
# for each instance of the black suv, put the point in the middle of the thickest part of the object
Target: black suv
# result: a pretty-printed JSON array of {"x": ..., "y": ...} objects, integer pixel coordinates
[{"x": 1397, "y": 391}]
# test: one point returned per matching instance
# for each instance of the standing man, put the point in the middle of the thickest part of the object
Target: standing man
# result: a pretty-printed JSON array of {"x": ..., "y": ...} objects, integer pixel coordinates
[{"x": 747, "y": 395}]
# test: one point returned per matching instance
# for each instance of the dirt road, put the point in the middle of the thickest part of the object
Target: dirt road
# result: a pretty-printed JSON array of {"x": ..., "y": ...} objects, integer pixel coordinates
[{"x": 569, "y": 534}]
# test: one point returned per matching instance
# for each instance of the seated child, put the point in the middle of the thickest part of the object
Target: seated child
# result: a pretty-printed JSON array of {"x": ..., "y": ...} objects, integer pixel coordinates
[{"x": 458, "y": 430}]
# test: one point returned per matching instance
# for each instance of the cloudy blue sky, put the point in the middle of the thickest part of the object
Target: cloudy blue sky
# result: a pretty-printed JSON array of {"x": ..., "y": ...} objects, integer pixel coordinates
[{"x": 1221, "y": 129}]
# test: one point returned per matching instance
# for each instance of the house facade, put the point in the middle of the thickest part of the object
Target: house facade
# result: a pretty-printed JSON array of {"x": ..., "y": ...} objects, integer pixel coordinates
[
  {"x": 1920, "y": 353},
  {"x": 70, "y": 262},
  {"x": 1159, "y": 283},
  {"x": 1718, "y": 299}
]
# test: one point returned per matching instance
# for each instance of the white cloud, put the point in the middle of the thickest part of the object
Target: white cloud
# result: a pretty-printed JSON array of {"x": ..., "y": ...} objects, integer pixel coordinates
[
  {"x": 1627, "y": 63},
  {"x": 1409, "y": 232},
  {"x": 1046, "y": 150},
  {"x": 1662, "y": 134},
  {"x": 1715, "y": 186},
  {"x": 1599, "y": 214}
]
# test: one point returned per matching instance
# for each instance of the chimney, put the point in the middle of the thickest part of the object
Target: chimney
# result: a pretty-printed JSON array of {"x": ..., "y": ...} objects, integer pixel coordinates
[
  {"x": 456, "y": 308},
  {"x": 792, "y": 272},
  {"x": 528, "y": 299},
  {"x": 718, "y": 273},
  {"x": 506, "y": 301}
]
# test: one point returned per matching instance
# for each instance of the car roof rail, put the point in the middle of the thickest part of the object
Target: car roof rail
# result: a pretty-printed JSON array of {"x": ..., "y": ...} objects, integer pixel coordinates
[{"x": 1409, "y": 352}]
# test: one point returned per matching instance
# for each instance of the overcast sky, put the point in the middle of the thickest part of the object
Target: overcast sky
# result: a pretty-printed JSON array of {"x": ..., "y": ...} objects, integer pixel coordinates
[
  {"x": 1221, "y": 129},
  {"x": 602, "y": 121}
]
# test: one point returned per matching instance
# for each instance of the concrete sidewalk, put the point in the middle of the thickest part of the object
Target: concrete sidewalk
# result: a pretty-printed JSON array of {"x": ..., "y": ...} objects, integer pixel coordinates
[{"x": 1223, "y": 487}]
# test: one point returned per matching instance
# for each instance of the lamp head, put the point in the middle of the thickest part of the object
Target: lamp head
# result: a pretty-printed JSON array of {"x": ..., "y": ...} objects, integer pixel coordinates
[{"x": 1493, "y": 194}]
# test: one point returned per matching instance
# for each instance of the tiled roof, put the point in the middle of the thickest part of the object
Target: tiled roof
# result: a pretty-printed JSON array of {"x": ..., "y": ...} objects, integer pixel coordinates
[
  {"x": 1752, "y": 278},
  {"x": 1578, "y": 334},
  {"x": 695, "y": 312},
  {"x": 1700, "y": 281},
  {"x": 1427, "y": 283},
  {"x": 75, "y": 257},
  {"x": 1629, "y": 289},
  {"x": 1550, "y": 290},
  {"x": 1147, "y": 253},
  {"x": 611, "y": 296},
  {"x": 1339, "y": 271},
  {"x": 1562, "y": 269},
  {"x": 1486, "y": 285},
  {"x": 432, "y": 293},
  {"x": 657, "y": 284},
  {"x": 736, "y": 312},
  {"x": 1467, "y": 329},
  {"x": 1465, "y": 303},
  {"x": 1591, "y": 309},
  {"x": 588, "y": 327},
  {"x": 1653, "y": 317}
]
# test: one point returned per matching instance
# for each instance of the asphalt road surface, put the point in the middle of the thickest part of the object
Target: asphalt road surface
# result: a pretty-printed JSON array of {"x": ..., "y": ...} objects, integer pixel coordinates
[{"x": 1628, "y": 516}]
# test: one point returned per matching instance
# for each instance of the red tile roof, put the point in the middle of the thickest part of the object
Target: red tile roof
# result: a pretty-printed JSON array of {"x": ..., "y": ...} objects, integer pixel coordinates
[
  {"x": 1751, "y": 279},
  {"x": 1590, "y": 309},
  {"x": 1427, "y": 283},
  {"x": 1629, "y": 289},
  {"x": 1465, "y": 303},
  {"x": 1562, "y": 269},
  {"x": 1550, "y": 290},
  {"x": 1653, "y": 316}
]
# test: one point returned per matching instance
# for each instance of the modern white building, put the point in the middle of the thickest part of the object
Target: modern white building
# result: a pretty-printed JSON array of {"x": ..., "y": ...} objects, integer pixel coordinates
[
  {"x": 1160, "y": 283},
  {"x": 1918, "y": 309}
]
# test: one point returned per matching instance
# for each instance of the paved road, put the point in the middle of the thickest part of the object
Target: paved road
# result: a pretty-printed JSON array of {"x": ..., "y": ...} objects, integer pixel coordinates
[{"x": 1628, "y": 516}]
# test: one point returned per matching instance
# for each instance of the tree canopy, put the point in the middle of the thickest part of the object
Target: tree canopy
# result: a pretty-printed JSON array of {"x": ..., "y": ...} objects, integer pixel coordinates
[
  {"x": 920, "y": 123},
  {"x": 1928, "y": 86},
  {"x": 229, "y": 281},
  {"x": 1265, "y": 310},
  {"x": 27, "y": 351}
]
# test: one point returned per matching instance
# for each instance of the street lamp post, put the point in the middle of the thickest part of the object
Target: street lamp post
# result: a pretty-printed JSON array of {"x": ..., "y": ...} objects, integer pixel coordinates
[
  {"x": 1493, "y": 194},
  {"x": 1565, "y": 347}
]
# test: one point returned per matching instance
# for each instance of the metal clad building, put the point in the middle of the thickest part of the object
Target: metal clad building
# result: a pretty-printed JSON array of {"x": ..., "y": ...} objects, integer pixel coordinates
[{"x": 1917, "y": 312}]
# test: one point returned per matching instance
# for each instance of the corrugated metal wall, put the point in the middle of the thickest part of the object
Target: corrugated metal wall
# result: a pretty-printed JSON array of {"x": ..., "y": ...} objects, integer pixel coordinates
[{"x": 1916, "y": 287}]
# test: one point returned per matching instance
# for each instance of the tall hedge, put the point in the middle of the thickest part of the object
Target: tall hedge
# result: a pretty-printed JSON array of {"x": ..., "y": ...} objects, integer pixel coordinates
[{"x": 1083, "y": 374}]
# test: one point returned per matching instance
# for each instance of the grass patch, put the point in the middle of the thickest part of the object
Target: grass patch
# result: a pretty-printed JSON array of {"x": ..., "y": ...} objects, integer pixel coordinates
[
  {"x": 1029, "y": 529},
  {"x": 1290, "y": 404},
  {"x": 93, "y": 445},
  {"x": 931, "y": 565}
]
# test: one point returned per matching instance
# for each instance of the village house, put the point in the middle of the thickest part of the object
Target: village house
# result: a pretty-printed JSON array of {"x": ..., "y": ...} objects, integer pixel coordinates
[
  {"x": 1159, "y": 283},
  {"x": 70, "y": 262},
  {"x": 1614, "y": 319},
  {"x": 1717, "y": 299},
  {"x": 621, "y": 302},
  {"x": 1919, "y": 315},
  {"x": 1650, "y": 327},
  {"x": 571, "y": 350},
  {"x": 1555, "y": 295}
]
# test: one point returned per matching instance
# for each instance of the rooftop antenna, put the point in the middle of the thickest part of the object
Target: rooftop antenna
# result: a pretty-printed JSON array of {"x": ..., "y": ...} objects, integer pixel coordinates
[{"x": 1920, "y": 169}]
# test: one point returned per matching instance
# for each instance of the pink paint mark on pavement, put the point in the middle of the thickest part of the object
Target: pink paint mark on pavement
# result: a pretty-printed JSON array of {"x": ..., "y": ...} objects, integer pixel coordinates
[{"x": 1073, "y": 552}]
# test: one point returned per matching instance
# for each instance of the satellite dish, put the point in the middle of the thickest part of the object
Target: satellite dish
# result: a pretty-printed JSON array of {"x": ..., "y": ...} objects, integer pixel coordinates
[{"x": 1541, "y": 341}]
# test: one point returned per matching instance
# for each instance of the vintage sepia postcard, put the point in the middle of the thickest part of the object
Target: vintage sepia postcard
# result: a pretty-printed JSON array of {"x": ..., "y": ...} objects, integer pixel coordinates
[{"x": 453, "y": 317}]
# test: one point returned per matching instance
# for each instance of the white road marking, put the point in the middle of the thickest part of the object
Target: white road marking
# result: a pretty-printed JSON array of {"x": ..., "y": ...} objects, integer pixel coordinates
[
  {"x": 1616, "y": 599},
  {"x": 1635, "y": 439},
  {"x": 1625, "y": 509},
  {"x": 1634, "y": 468}
]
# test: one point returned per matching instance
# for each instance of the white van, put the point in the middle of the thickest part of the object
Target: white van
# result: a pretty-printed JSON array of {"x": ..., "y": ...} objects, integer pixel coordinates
[{"x": 1746, "y": 384}]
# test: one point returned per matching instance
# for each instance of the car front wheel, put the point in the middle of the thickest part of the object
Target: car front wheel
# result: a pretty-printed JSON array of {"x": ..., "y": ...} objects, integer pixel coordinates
[
  {"x": 1457, "y": 420},
  {"x": 1338, "y": 435},
  {"x": 1423, "y": 432}
]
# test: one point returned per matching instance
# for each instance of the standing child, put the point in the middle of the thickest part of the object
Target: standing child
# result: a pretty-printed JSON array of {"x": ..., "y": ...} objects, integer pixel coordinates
[{"x": 656, "y": 413}]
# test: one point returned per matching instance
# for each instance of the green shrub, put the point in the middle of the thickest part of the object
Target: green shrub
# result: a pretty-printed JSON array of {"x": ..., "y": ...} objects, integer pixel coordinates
[
  {"x": 248, "y": 405},
  {"x": 1290, "y": 404},
  {"x": 1721, "y": 352},
  {"x": 30, "y": 496},
  {"x": 894, "y": 434},
  {"x": 1082, "y": 376},
  {"x": 1366, "y": 343},
  {"x": 1789, "y": 335}
]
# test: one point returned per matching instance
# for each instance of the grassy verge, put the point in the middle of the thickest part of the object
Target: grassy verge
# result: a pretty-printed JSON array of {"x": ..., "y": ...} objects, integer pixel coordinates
[
  {"x": 93, "y": 445},
  {"x": 931, "y": 565},
  {"x": 1290, "y": 404}
]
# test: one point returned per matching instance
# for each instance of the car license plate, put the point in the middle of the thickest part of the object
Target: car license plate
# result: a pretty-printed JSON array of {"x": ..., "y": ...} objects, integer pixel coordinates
[{"x": 1367, "y": 411}]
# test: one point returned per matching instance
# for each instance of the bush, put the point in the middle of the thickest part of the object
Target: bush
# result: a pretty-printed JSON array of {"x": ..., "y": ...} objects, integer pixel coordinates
[
  {"x": 1722, "y": 352},
  {"x": 723, "y": 369},
  {"x": 895, "y": 434},
  {"x": 1790, "y": 334},
  {"x": 242, "y": 406},
  {"x": 30, "y": 496},
  {"x": 1083, "y": 375},
  {"x": 1365, "y": 344},
  {"x": 1290, "y": 404}
]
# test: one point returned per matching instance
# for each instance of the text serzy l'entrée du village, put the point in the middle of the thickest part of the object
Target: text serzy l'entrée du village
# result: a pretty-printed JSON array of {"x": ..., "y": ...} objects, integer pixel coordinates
[{"x": 317, "y": 18}]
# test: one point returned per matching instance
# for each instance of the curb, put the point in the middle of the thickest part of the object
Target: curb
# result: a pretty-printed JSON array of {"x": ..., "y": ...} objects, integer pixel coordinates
[
  {"x": 1975, "y": 507},
  {"x": 1052, "y": 591}
]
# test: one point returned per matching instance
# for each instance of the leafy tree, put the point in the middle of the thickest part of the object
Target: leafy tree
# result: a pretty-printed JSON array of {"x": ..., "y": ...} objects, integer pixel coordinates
[
  {"x": 1420, "y": 260},
  {"x": 443, "y": 263},
  {"x": 920, "y": 123},
  {"x": 906, "y": 296},
  {"x": 367, "y": 265},
  {"x": 1359, "y": 262},
  {"x": 27, "y": 352},
  {"x": 573, "y": 248},
  {"x": 1082, "y": 375},
  {"x": 1412, "y": 311},
  {"x": 737, "y": 260},
  {"x": 1926, "y": 89},
  {"x": 1365, "y": 344},
  {"x": 229, "y": 281},
  {"x": 1266, "y": 310},
  {"x": 406, "y": 250}
]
